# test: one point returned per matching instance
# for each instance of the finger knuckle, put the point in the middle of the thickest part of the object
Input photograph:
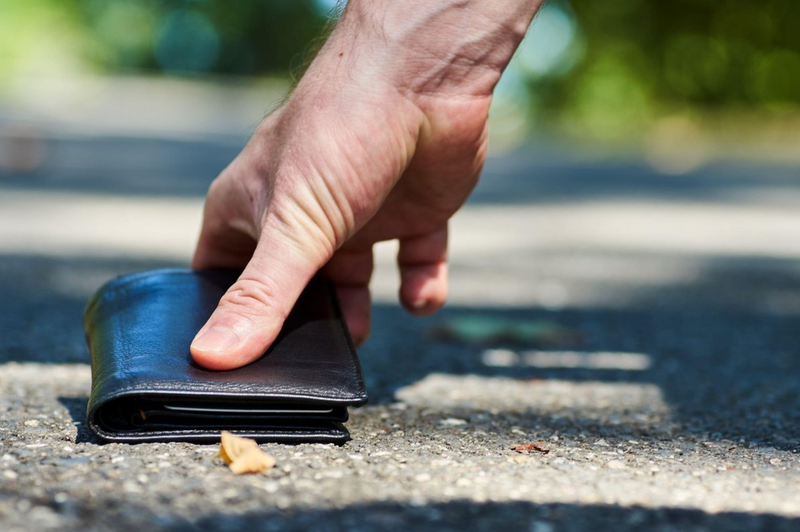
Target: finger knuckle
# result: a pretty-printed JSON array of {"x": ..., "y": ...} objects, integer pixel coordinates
[{"x": 251, "y": 299}]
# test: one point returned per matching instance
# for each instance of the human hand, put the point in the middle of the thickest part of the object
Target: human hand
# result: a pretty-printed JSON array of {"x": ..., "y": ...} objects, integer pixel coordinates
[{"x": 383, "y": 138}]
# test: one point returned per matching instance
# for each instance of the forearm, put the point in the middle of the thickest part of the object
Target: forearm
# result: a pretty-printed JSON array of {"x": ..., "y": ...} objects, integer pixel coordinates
[{"x": 448, "y": 47}]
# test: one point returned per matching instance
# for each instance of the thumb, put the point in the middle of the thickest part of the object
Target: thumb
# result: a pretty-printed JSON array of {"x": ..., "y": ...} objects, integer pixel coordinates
[{"x": 251, "y": 313}]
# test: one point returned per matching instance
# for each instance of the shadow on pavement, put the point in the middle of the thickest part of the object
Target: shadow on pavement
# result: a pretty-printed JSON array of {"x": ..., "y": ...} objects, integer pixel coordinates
[
  {"x": 41, "y": 316},
  {"x": 125, "y": 165},
  {"x": 76, "y": 406},
  {"x": 104, "y": 513},
  {"x": 541, "y": 179},
  {"x": 469, "y": 515}
]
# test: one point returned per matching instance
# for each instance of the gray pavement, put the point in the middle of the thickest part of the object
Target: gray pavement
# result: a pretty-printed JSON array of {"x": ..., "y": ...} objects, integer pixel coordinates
[{"x": 643, "y": 327}]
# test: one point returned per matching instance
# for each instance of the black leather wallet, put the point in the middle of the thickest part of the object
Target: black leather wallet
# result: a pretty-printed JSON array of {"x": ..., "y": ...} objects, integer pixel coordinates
[{"x": 145, "y": 386}]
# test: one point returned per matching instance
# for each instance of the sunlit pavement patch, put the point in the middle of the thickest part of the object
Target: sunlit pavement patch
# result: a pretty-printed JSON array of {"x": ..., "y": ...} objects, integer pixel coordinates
[
  {"x": 640, "y": 403},
  {"x": 508, "y": 358}
]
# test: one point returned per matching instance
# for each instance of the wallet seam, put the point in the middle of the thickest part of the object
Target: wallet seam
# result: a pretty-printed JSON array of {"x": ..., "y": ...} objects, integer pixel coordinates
[{"x": 126, "y": 390}]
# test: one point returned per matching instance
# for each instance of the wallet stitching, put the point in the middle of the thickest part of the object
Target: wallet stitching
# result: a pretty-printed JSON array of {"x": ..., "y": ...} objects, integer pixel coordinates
[
  {"x": 128, "y": 389},
  {"x": 340, "y": 434},
  {"x": 350, "y": 349}
]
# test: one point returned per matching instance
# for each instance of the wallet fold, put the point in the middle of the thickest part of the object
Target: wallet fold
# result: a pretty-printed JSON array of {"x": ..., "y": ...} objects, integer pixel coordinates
[{"x": 146, "y": 387}]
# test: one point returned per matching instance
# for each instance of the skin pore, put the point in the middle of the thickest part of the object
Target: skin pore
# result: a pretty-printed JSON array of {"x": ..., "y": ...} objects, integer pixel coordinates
[{"x": 383, "y": 138}]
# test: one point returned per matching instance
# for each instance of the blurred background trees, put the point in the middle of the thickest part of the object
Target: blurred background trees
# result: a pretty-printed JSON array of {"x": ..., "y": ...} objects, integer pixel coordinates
[{"x": 596, "y": 70}]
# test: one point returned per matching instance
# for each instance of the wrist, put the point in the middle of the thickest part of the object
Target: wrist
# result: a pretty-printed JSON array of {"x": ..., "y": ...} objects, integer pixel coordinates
[{"x": 447, "y": 47}]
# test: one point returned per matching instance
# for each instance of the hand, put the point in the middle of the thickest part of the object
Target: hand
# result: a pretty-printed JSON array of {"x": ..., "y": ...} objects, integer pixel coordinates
[{"x": 365, "y": 149}]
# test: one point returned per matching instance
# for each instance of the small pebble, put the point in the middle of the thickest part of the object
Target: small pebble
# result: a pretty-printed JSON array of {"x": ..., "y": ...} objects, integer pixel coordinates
[
  {"x": 452, "y": 422},
  {"x": 615, "y": 464}
]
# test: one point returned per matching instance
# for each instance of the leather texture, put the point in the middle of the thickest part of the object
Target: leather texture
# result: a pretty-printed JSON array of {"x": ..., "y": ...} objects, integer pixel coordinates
[{"x": 145, "y": 386}]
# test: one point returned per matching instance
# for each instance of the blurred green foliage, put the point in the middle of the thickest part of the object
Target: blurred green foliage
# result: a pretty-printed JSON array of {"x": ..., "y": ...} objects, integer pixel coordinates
[
  {"x": 604, "y": 67},
  {"x": 642, "y": 58},
  {"x": 242, "y": 37}
]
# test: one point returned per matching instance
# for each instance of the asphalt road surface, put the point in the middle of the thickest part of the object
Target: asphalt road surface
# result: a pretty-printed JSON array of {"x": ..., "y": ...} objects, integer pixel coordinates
[{"x": 640, "y": 328}]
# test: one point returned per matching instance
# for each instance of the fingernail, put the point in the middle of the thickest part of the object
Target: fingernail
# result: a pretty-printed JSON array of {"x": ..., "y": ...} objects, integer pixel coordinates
[
  {"x": 216, "y": 340},
  {"x": 419, "y": 304}
]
